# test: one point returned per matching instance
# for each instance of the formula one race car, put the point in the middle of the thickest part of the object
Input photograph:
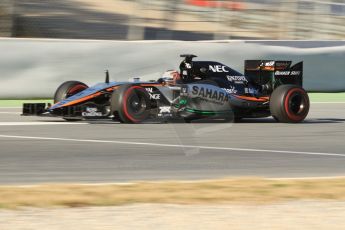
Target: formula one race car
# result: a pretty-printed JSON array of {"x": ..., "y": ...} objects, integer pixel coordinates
[{"x": 200, "y": 89}]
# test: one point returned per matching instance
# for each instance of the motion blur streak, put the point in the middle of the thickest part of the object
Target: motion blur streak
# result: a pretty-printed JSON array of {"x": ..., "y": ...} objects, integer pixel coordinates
[{"x": 173, "y": 20}]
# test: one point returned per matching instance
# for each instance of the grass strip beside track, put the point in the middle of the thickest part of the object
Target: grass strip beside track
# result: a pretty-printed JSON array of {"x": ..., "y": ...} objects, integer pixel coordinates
[
  {"x": 221, "y": 191},
  {"x": 314, "y": 97},
  {"x": 327, "y": 97},
  {"x": 19, "y": 103}
]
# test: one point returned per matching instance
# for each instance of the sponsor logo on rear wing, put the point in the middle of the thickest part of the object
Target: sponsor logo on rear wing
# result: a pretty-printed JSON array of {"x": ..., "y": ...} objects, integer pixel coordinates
[
  {"x": 266, "y": 65},
  {"x": 274, "y": 72}
]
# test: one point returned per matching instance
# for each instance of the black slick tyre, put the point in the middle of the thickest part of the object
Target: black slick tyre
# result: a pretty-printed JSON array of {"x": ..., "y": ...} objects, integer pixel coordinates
[
  {"x": 130, "y": 104},
  {"x": 66, "y": 90},
  {"x": 289, "y": 104}
]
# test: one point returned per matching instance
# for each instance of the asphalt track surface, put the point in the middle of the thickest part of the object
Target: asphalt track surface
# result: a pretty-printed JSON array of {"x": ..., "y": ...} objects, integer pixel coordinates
[{"x": 49, "y": 150}]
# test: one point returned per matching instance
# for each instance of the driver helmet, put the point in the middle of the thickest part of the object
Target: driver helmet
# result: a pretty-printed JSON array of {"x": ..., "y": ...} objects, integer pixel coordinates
[{"x": 171, "y": 77}]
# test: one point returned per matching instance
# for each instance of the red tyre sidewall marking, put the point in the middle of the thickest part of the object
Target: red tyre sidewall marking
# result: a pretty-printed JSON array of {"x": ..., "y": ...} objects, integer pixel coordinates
[
  {"x": 76, "y": 89},
  {"x": 125, "y": 110},
  {"x": 286, "y": 104}
]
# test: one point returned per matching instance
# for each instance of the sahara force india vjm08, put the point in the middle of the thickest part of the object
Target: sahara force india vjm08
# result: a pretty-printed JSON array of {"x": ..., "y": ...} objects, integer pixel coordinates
[{"x": 199, "y": 90}]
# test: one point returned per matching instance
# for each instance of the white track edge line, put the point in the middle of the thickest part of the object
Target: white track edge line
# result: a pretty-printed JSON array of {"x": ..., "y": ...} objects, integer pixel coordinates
[
  {"x": 173, "y": 145},
  {"x": 172, "y": 180}
]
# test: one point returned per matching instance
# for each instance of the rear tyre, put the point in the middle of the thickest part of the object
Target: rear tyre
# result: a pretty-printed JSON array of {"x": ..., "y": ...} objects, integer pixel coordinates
[
  {"x": 289, "y": 104},
  {"x": 66, "y": 90},
  {"x": 130, "y": 104}
]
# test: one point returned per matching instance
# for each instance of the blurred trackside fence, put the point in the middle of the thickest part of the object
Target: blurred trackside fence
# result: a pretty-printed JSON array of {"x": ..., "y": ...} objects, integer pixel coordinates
[
  {"x": 174, "y": 19},
  {"x": 6, "y": 18},
  {"x": 260, "y": 19}
]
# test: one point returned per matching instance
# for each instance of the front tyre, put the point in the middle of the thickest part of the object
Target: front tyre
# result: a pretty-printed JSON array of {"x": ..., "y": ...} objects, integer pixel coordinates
[
  {"x": 289, "y": 104},
  {"x": 66, "y": 90},
  {"x": 130, "y": 104}
]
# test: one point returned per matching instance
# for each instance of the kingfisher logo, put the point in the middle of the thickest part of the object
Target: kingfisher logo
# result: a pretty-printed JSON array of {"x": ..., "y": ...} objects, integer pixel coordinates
[
  {"x": 208, "y": 93},
  {"x": 218, "y": 68},
  {"x": 237, "y": 79}
]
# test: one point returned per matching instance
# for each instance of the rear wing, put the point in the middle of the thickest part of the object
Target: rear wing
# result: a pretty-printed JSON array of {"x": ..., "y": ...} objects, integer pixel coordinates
[{"x": 274, "y": 73}]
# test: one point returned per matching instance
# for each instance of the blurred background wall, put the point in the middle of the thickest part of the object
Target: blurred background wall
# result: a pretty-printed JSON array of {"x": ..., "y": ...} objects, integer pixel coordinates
[
  {"x": 173, "y": 19},
  {"x": 312, "y": 31},
  {"x": 36, "y": 67}
]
